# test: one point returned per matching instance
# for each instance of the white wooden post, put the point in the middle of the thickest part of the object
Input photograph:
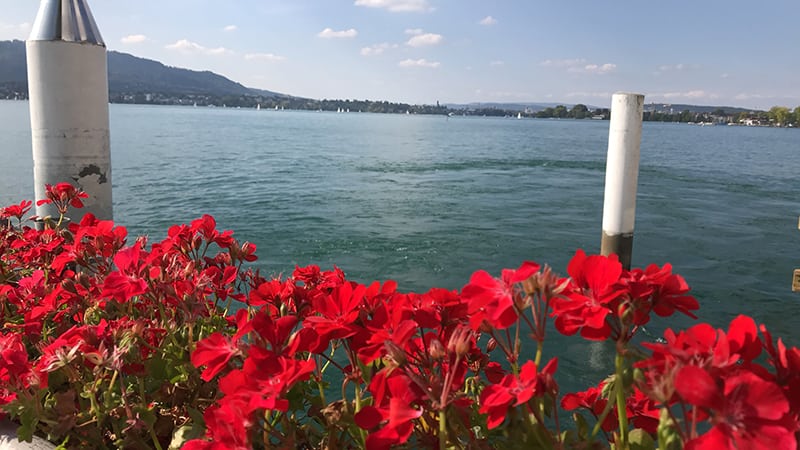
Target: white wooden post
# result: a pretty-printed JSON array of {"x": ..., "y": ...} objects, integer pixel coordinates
[{"x": 622, "y": 173}]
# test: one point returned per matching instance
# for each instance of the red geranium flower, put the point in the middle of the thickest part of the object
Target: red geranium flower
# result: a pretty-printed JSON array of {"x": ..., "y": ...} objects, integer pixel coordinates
[
  {"x": 338, "y": 311},
  {"x": 659, "y": 290},
  {"x": 592, "y": 400},
  {"x": 63, "y": 195},
  {"x": 394, "y": 412},
  {"x": 126, "y": 282},
  {"x": 214, "y": 352},
  {"x": 586, "y": 301},
  {"x": 746, "y": 411},
  {"x": 491, "y": 300},
  {"x": 16, "y": 210},
  {"x": 514, "y": 391}
]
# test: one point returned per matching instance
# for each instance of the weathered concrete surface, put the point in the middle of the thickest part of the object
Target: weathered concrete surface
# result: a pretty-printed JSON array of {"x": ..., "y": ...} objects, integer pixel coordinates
[{"x": 9, "y": 441}]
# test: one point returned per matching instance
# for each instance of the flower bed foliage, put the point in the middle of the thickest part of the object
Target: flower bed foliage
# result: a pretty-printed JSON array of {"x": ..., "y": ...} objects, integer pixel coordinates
[{"x": 107, "y": 343}]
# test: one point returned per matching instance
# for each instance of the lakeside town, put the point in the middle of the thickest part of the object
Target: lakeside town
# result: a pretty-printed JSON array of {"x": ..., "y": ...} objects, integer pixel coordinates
[{"x": 777, "y": 116}]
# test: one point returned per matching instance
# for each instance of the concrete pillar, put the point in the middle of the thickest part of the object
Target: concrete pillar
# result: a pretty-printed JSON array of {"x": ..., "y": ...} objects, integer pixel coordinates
[
  {"x": 68, "y": 88},
  {"x": 10, "y": 441},
  {"x": 622, "y": 173}
]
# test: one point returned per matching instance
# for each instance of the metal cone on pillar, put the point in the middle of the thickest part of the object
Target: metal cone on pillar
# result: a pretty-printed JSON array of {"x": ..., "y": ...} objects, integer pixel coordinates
[{"x": 68, "y": 91}]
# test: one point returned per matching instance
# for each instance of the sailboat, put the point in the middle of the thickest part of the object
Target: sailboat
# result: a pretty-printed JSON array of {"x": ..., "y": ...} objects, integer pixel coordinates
[
  {"x": 519, "y": 115},
  {"x": 258, "y": 107}
]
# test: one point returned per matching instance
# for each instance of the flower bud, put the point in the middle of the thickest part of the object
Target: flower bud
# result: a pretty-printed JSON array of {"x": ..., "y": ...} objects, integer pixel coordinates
[
  {"x": 69, "y": 286},
  {"x": 395, "y": 353},
  {"x": 84, "y": 281},
  {"x": 436, "y": 350},
  {"x": 531, "y": 285},
  {"x": 459, "y": 341},
  {"x": 491, "y": 345}
]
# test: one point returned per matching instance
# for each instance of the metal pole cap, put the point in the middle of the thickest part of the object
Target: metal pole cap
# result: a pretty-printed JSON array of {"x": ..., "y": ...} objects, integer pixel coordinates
[{"x": 66, "y": 20}]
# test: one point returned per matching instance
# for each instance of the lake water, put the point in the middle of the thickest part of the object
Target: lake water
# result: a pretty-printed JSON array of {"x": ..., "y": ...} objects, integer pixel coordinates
[{"x": 428, "y": 200}]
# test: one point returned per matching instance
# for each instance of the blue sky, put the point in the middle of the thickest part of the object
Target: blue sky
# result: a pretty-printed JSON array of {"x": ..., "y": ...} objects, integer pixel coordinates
[{"x": 737, "y": 53}]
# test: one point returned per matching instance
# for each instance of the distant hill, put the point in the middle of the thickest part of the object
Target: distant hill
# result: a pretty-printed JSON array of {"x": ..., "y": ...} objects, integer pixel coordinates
[
  {"x": 13, "y": 68},
  {"x": 138, "y": 80},
  {"x": 128, "y": 74}
]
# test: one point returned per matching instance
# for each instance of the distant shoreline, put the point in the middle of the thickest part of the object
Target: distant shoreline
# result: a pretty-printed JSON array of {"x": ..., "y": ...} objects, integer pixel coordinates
[{"x": 755, "y": 119}]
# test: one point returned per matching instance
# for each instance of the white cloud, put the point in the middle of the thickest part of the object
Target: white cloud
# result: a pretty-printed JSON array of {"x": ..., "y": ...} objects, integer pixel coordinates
[
  {"x": 589, "y": 94},
  {"x": 330, "y": 33},
  {"x": 599, "y": 69},
  {"x": 397, "y": 5},
  {"x": 134, "y": 39},
  {"x": 561, "y": 63},
  {"x": 230, "y": 28},
  {"x": 377, "y": 49},
  {"x": 579, "y": 65},
  {"x": 488, "y": 20},
  {"x": 497, "y": 63},
  {"x": 414, "y": 31},
  {"x": 419, "y": 63},
  {"x": 725, "y": 75},
  {"x": 670, "y": 67},
  {"x": 747, "y": 96},
  {"x": 187, "y": 46},
  {"x": 426, "y": 39},
  {"x": 680, "y": 67},
  {"x": 691, "y": 95},
  {"x": 509, "y": 95},
  {"x": 15, "y": 31},
  {"x": 264, "y": 57}
]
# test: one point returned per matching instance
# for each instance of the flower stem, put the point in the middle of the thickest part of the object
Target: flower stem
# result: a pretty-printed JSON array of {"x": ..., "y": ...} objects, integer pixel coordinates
[
  {"x": 622, "y": 413},
  {"x": 153, "y": 435},
  {"x": 362, "y": 433},
  {"x": 442, "y": 429},
  {"x": 321, "y": 392},
  {"x": 539, "y": 348}
]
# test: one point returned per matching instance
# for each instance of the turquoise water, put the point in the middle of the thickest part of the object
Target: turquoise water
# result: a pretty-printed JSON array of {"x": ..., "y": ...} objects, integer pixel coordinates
[{"x": 428, "y": 200}]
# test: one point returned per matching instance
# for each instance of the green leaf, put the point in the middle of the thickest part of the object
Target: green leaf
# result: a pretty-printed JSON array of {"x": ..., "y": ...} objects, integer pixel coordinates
[
  {"x": 641, "y": 440},
  {"x": 147, "y": 415},
  {"x": 28, "y": 425},
  {"x": 157, "y": 368},
  {"x": 581, "y": 425},
  {"x": 63, "y": 444},
  {"x": 197, "y": 417},
  {"x": 668, "y": 436}
]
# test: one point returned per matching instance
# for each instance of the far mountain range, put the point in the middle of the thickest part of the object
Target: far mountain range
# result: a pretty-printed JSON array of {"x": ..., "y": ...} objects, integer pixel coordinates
[{"x": 138, "y": 80}]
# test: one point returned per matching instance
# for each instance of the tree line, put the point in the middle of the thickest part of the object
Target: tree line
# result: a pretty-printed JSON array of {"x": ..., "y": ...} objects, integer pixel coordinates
[{"x": 777, "y": 116}]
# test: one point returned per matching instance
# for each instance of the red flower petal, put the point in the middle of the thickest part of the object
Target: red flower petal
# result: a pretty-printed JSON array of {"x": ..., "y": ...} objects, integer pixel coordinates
[{"x": 697, "y": 387}]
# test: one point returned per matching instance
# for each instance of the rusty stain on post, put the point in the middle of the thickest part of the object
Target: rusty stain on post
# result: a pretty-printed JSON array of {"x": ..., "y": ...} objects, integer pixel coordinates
[{"x": 619, "y": 244}]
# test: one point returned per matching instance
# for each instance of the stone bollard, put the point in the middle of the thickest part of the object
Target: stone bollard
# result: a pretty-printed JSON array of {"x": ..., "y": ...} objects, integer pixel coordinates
[{"x": 68, "y": 90}]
